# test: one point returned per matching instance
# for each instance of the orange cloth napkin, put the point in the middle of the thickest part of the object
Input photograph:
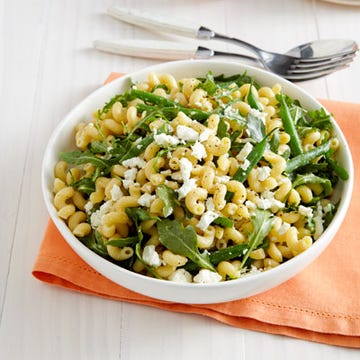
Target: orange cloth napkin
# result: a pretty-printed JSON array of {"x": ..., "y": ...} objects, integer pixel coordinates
[{"x": 320, "y": 304}]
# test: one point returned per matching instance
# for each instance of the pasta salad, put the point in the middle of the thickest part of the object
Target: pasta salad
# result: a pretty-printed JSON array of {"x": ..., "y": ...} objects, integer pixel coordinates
[{"x": 200, "y": 180}]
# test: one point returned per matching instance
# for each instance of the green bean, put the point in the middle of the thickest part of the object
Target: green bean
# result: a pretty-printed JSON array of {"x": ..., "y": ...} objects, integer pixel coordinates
[
  {"x": 251, "y": 99},
  {"x": 304, "y": 159},
  {"x": 289, "y": 127},
  {"x": 254, "y": 157},
  {"x": 195, "y": 114},
  {"x": 339, "y": 170}
]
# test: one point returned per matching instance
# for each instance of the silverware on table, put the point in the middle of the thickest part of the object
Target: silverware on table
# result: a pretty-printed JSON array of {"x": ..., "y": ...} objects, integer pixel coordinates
[{"x": 304, "y": 62}]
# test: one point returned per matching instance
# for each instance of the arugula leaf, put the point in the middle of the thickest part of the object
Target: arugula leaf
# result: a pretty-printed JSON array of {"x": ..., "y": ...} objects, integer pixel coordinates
[
  {"x": 262, "y": 222},
  {"x": 320, "y": 119},
  {"x": 123, "y": 98},
  {"x": 182, "y": 241},
  {"x": 255, "y": 127},
  {"x": 94, "y": 242},
  {"x": 209, "y": 84},
  {"x": 223, "y": 221},
  {"x": 169, "y": 198},
  {"x": 137, "y": 215},
  {"x": 313, "y": 179},
  {"x": 137, "y": 149},
  {"x": 78, "y": 157},
  {"x": 85, "y": 185},
  {"x": 128, "y": 241},
  {"x": 99, "y": 147}
]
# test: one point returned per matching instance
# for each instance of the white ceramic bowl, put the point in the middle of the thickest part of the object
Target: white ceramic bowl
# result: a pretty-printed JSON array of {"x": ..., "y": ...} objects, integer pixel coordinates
[{"x": 63, "y": 139}]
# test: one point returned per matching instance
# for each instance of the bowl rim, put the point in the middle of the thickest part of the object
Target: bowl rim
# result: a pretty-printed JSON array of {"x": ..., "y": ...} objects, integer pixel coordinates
[{"x": 316, "y": 248}]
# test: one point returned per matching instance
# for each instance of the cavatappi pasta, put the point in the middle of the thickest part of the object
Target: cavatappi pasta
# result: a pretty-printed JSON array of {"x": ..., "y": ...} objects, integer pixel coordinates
[{"x": 199, "y": 180}]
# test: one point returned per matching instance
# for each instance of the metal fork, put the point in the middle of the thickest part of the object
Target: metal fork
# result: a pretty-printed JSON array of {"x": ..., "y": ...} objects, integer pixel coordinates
[
  {"x": 291, "y": 67},
  {"x": 167, "y": 50}
]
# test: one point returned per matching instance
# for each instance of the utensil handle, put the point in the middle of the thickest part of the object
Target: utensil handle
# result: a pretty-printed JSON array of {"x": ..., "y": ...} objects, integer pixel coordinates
[
  {"x": 156, "y": 22},
  {"x": 164, "y": 50}
]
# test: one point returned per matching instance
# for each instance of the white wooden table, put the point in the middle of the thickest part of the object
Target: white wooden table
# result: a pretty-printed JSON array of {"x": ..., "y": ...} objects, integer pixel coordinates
[{"x": 47, "y": 65}]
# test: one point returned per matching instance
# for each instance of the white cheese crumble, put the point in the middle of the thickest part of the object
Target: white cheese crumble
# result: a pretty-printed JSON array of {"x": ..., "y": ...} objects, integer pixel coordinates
[
  {"x": 177, "y": 176},
  {"x": 88, "y": 206},
  {"x": 284, "y": 228},
  {"x": 205, "y": 135},
  {"x": 206, "y": 219},
  {"x": 244, "y": 152},
  {"x": 134, "y": 162},
  {"x": 129, "y": 177},
  {"x": 263, "y": 172},
  {"x": 210, "y": 206},
  {"x": 267, "y": 201},
  {"x": 187, "y": 186},
  {"x": 116, "y": 193},
  {"x": 186, "y": 133},
  {"x": 206, "y": 276},
  {"x": 96, "y": 217},
  {"x": 185, "y": 168},
  {"x": 305, "y": 211},
  {"x": 199, "y": 151},
  {"x": 223, "y": 179},
  {"x": 245, "y": 164},
  {"x": 150, "y": 256},
  {"x": 166, "y": 140},
  {"x": 319, "y": 227},
  {"x": 258, "y": 114},
  {"x": 250, "y": 205},
  {"x": 181, "y": 276},
  {"x": 146, "y": 199}
]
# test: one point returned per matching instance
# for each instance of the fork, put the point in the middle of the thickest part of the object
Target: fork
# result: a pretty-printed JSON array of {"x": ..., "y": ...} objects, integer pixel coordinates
[
  {"x": 166, "y": 50},
  {"x": 291, "y": 67}
]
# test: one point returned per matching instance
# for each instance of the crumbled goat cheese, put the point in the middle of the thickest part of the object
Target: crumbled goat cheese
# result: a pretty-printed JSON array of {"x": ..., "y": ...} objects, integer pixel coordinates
[
  {"x": 250, "y": 205},
  {"x": 267, "y": 201},
  {"x": 166, "y": 140},
  {"x": 205, "y": 135},
  {"x": 199, "y": 151},
  {"x": 130, "y": 174},
  {"x": 150, "y": 256},
  {"x": 187, "y": 186},
  {"x": 210, "y": 206},
  {"x": 305, "y": 211},
  {"x": 223, "y": 179},
  {"x": 206, "y": 219},
  {"x": 244, "y": 152},
  {"x": 116, "y": 193},
  {"x": 245, "y": 164},
  {"x": 129, "y": 178},
  {"x": 96, "y": 217},
  {"x": 134, "y": 162},
  {"x": 258, "y": 114},
  {"x": 230, "y": 111},
  {"x": 206, "y": 276},
  {"x": 318, "y": 220},
  {"x": 284, "y": 228},
  {"x": 146, "y": 199},
  {"x": 177, "y": 176},
  {"x": 88, "y": 206},
  {"x": 185, "y": 168},
  {"x": 263, "y": 172},
  {"x": 181, "y": 276},
  {"x": 186, "y": 133}
]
